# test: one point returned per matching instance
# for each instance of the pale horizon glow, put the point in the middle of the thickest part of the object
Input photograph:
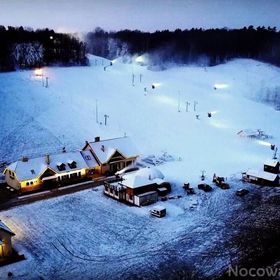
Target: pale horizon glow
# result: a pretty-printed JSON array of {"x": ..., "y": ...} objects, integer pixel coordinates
[{"x": 113, "y": 15}]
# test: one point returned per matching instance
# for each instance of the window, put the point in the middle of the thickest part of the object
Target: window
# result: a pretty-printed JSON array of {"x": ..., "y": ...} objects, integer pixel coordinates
[
  {"x": 72, "y": 164},
  {"x": 87, "y": 157},
  {"x": 32, "y": 171},
  {"x": 27, "y": 183},
  {"x": 79, "y": 174},
  {"x": 61, "y": 166},
  {"x": 31, "y": 183}
]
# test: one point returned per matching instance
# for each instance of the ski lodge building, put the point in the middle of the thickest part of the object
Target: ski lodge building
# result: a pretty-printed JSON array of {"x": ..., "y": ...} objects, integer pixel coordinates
[
  {"x": 112, "y": 154},
  {"x": 51, "y": 170},
  {"x": 261, "y": 178},
  {"x": 271, "y": 166},
  {"x": 97, "y": 158},
  {"x": 6, "y": 234},
  {"x": 138, "y": 188}
]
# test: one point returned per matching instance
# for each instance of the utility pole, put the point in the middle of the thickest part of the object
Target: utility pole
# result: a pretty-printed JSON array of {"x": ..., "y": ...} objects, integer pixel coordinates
[
  {"x": 106, "y": 117},
  {"x": 179, "y": 101},
  {"x": 275, "y": 153},
  {"x": 47, "y": 82},
  {"x": 194, "y": 105},
  {"x": 96, "y": 111},
  {"x": 187, "y": 106}
]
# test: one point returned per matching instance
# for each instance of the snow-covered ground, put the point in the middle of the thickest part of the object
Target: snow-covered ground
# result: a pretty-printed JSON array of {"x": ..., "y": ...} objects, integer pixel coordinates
[{"x": 89, "y": 235}]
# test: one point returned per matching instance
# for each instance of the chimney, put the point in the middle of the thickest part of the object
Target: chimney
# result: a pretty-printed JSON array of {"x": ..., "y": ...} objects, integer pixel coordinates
[
  {"x": 97, "y": 139},
  {"x": 47, "y": 159},
  {"x": 24, "y": 159}
]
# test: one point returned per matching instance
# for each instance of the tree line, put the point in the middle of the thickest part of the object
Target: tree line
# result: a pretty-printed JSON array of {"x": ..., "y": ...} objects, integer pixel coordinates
[
  {"x": 204, "y": 47},
  {"x": 23, "y": 48}
]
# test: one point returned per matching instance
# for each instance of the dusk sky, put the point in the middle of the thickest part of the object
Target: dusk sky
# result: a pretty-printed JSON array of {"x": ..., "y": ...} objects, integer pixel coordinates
[{"x": 146, "y": 15}]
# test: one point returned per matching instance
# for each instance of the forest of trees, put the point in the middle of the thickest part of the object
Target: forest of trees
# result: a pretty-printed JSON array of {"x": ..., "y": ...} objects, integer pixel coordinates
[
  {"x": 204, "y": 47},
  {"x": 24, "y": 48}
]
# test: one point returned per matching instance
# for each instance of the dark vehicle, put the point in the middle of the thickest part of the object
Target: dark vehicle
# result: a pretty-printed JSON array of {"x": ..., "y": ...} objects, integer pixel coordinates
[
  {"x": 220, "y": 182},
  {"x": 158, "y": 212},
  {"x": 189, "y": 190},
  {"x": 242, "y": 192},
  {"x": 205, "y": 187}
]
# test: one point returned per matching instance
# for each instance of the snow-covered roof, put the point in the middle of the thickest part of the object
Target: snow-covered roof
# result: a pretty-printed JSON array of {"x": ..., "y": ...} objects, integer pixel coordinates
[
  {"x": 271, "y": 162},
  {"x": 262, "y": 174},
  {"x": 150, "y": 173},
  {"x": 5, "y": 228},
  {"x": 89, "y": 158},
  {"x": 135, "y": 181},
  {"x": 159, "y": 208},
  {"x": 34, "y": 167},
  {"x": 105, "y": 149}
]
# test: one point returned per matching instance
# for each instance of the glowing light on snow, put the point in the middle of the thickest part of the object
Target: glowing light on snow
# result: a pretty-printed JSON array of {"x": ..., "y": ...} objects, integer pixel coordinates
[
  {"x": 156, "y": 85},
  {"x": 38, "y": 72},
  {"x": 219, "y": 124},
  {"x": 264, "y": 143},
  {"x": 140, "y": 59},
  {"x": 221, "y": 86},
  {"x": 114, "y": 61},
  {"x": 166, "y": 100},
  {"x": 214, "y": 112}
]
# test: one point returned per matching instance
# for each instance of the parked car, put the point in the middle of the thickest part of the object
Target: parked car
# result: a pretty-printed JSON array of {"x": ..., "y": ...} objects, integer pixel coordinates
[
  {"x": 204, "y": 187},
  {"x": 158, "y": 211},
  {"x": 241, "y": 192}
]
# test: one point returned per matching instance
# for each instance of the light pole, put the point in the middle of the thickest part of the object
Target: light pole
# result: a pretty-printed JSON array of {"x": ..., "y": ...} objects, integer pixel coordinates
[
  {"x": 194, "y": 105},
  {"x": 179, "y": 101},
  {"x": 187, "y": 106},
  {"x": 106, "y": 117},
  {"x": 96, "y": 111}
]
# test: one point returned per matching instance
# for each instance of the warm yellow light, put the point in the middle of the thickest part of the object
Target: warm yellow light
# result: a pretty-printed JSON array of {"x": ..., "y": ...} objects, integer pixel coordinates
[{"x": 38, "y": 72}]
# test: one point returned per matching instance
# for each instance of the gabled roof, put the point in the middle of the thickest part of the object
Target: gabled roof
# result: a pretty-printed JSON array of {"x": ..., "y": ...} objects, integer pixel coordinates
[
  {"x": 35, "y": 167},
  {"x": 135, "y": 181},
  {"x": 271, "y": 162},
  {"x": 262, "y": 175},
  {"x": 5, "y": 228},
  {"x": 89, "y": 158},
  {"x": 105, "y": 149}
]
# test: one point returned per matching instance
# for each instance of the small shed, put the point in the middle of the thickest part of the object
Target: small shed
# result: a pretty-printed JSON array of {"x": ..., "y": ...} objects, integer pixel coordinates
[
  {"x": 261, "y": 178},
  {"x": 6, "y": 234},
  {"x": 271, "y": 166}
]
